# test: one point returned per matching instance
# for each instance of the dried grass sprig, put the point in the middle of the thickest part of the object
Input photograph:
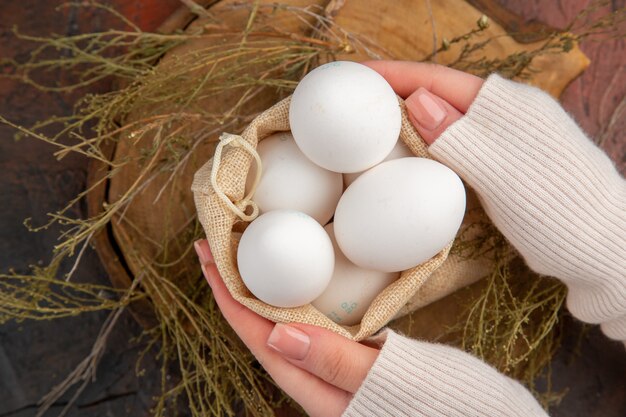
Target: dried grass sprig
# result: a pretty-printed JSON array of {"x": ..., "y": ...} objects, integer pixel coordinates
[{"x": 42, "y": 296}]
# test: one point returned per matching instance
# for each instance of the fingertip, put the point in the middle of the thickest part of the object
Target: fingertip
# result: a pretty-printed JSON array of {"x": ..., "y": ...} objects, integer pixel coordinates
[
  {"x": 334, "y": 358},
  {"x": 430, "y": 114},
  {"x": 289, "y": 341},
  {"x": 207, "y": 274},
  {"x": 426, "y": 109},
  {"x": 203, "y": 250},
  {"x": 214, "y": 279}
]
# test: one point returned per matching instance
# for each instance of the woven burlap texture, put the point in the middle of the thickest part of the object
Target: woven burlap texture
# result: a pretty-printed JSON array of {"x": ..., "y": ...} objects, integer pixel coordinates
[{"x": 218, "y": 222}]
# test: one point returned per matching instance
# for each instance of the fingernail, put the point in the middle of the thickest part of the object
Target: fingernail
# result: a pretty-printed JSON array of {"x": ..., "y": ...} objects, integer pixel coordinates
[
  {"x": 203, "y": 251},
  {"x": 425, "y": 109},
  {"x": 289, "y": 341},
  {"x": 206, "y": 274}
]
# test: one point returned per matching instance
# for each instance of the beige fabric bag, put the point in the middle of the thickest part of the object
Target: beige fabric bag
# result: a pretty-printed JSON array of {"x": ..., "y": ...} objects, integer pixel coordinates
[{"x": 219, "y": 220}]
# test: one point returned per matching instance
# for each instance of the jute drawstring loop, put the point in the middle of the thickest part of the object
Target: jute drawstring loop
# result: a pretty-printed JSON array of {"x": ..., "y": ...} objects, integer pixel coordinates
[{"x": 239, "y": 207}]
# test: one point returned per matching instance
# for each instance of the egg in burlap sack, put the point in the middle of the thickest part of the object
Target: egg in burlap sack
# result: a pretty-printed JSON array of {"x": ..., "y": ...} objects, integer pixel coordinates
[{"x": 219, "y": 187}]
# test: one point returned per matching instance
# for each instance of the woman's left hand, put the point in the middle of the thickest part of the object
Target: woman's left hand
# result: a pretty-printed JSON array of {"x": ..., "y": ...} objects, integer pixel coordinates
[{"x": 319, "y": 369}]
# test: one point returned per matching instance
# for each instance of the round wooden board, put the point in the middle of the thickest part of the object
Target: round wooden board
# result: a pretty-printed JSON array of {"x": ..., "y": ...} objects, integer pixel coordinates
[{"x": 144, "y": 222}]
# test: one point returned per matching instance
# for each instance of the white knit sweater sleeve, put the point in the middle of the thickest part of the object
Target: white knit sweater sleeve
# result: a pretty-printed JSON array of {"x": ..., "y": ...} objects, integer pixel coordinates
[
  {"x": 560, "y": 201},
  {"x": 413, "y": 378},
  {"x": 555, "y": 195}
]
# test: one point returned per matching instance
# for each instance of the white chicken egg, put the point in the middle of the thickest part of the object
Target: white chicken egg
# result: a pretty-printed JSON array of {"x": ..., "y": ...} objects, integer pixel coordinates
[
  {"x": 345, "y": 117},
  {"x": 398, "y": 151},
  {"x": 399, "y": 214},
  {"x": 351, "y": 290},
  {"x": 285, "y": 258},
  {"x": 289, "y": 180}
]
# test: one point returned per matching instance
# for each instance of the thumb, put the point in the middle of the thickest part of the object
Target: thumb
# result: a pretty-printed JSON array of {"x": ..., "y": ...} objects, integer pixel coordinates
[
  {"x": 335, "y": 359},
  {"x": 430, "y": 114}
]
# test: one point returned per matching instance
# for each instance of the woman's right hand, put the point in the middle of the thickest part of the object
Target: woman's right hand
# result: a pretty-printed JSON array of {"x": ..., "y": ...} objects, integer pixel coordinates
[{"x": 555, "y": 196}]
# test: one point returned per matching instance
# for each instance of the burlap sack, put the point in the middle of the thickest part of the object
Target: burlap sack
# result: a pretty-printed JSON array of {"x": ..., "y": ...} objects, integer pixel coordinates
[{"x": 218, "y": 219}]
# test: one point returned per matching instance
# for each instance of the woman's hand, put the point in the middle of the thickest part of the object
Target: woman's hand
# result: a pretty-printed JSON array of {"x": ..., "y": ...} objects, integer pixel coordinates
[
  {"x": 435, "y": 96},
  {"x": 319, "y": 369}
]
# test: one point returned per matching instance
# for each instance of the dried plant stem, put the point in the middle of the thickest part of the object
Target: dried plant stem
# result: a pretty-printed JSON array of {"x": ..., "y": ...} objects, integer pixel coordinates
[{"x": 86, "y": 370}]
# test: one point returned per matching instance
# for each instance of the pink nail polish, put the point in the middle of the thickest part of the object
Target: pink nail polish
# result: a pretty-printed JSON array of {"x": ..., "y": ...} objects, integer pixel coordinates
[
  {"x": 425, "y": 109},
  {"x": 203, "y": 251},
  {"x": 289, "y": 341}
]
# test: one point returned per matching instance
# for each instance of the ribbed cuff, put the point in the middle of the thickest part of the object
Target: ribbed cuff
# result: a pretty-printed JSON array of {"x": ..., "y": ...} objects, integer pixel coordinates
[{"x": 412, "y": 378}]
